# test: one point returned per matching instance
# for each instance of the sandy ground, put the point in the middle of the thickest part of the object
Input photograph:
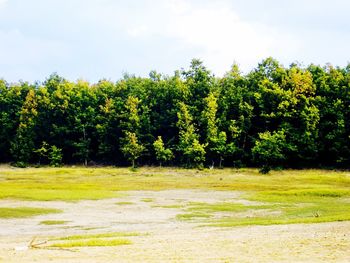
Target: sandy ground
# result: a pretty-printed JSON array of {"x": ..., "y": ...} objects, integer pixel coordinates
[{"x": 166, "y": 239}]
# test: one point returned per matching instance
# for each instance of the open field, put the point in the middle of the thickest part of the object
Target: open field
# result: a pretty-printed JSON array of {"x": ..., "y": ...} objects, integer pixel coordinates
[{"x": 176, "y": 215}]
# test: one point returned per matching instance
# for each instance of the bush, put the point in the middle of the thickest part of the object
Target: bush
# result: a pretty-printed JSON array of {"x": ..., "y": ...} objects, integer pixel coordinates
[
  {"x": 265, "y": 169},
  {"x": 55, "y": 156},
  {"x": 20, "y": 164}
]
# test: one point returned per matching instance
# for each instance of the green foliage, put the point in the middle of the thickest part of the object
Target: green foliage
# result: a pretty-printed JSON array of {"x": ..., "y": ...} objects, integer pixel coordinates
[
  {"x": 193, "y": 152},
  {"x": 271, "y": 149},
  {"x": 223, "y": 118},
  {"x": 162, "y": 154},
  {"x": 265, "y": 169},
  {"x": 217, "y": 147},
  {"x": 23, "y": 144},
  {"x": 131, "y": 148},
  {"x": 42, "y": 151},
  {"x": 55, "y": 156},
  {"x": 82, "y": 151}
]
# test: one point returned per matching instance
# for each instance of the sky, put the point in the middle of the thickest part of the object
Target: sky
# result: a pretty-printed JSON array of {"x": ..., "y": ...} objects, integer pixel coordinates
[{"x": 103, "y": 39}]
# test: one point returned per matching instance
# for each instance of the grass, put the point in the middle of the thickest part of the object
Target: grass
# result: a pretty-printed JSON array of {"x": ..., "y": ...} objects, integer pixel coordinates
[
  {"x": 101, "y": 235},
  {"x": 73, "y": 184},
  {"x": 197, "y": 210},
  {"x": 289, "y": 207},
  {"x": 53, "y": 222},
  {"x": 94, "y": 240},
  {"x": 217, "y": 207},
  {"x": 289, "y": 196},
  {"x": 193, "y": 215},
  {"x": 147, "y": 200},
  {"x": 23, "y": 212}
]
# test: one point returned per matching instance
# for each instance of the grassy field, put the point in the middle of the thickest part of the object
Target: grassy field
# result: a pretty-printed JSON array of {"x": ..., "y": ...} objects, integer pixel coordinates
[
  {"x": 281, "y": 197},
  {"x": 22, "y": 212}
]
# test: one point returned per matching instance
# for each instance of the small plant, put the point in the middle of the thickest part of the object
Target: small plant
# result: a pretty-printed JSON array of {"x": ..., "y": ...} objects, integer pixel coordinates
[
  {"x": 133, "y": 169},
  {"x": 55, "y": 156},
  {"x": 42, "y": 151},
  {"x": 20, "y": 164},
  {"x": 162, "y": 154},
  {"x": 316, "y": 214},
  {"x": 131, "y": 148},
  {"x": 265, "y": 169}
]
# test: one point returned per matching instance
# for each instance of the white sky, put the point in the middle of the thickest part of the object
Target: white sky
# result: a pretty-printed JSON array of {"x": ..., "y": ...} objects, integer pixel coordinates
[{"x": 94, "y": 39}]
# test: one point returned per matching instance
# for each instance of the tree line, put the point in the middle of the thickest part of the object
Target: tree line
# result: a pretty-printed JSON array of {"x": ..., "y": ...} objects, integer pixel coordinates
[{"x": 274, "y": 116}]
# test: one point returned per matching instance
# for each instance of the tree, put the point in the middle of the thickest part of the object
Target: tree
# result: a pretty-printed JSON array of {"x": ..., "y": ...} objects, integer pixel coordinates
[
  {"x": 55, "y": 156},
  {"x": 82, "y": 147},
  {"x": 132, "y": 113},
  {"x": 131, "y": 148},
  {"x": 270, "y": 149},
  {"x": 162, "y": 154},
  {"x": 23, "y": 144},
  {"x": 273, "y": 116},
  {"x": 235, "y": 113},
  {"x": 193, "y": 152},
  {"x": 216, "y": 140}
]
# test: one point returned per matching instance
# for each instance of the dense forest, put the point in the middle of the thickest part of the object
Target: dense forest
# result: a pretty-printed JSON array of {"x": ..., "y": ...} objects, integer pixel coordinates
[{"x": 271, "y": 117}]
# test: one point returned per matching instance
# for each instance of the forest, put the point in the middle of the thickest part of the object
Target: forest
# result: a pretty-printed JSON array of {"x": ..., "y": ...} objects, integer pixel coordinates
[{"x": 271, "y": 117}]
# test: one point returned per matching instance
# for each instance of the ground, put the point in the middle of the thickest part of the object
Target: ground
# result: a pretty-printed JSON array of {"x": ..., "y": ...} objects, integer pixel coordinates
[{"x": 173, "y": 225}]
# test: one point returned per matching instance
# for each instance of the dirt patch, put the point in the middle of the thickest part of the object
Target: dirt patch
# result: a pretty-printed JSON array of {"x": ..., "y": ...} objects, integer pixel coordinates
[{"x": 168, "y": 239}]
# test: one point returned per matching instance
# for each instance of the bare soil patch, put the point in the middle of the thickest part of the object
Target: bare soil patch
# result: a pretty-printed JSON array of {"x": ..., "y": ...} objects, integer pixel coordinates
[{"x": 166, "y": 239}]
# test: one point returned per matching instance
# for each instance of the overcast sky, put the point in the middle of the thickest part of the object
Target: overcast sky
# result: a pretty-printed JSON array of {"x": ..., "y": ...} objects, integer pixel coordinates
[{"x": 95, "y": 39}]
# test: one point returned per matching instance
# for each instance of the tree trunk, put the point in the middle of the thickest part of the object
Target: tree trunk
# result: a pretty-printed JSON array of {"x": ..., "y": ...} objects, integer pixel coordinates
[
  {"x": 133, "y": 163},
  {"x": 220, "y": 162}
]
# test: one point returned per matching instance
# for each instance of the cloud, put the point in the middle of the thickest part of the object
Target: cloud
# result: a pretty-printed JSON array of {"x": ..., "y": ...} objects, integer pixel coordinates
[
  {"x": 92, "y": 39},
  {"x": 216, "y": 34},
  {"x": 3, "y": 3}
]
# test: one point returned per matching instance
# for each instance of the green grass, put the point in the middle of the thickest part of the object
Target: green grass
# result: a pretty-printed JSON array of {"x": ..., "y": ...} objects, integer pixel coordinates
[
  {"x": 299, "y": 196},
  {"x": 94, "y": 242},
  {"x": 97, "y": 183},
  {"x": 289, "y": 207},
  {"x": 22, "y": 212},
  {"x": 53, "y": 222},
  {"x": 101, "y": 235},
  {"x": 147, "y": 200},
  {"x": 217, "y": 207},
  {"x": 193, "y": 215}
]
